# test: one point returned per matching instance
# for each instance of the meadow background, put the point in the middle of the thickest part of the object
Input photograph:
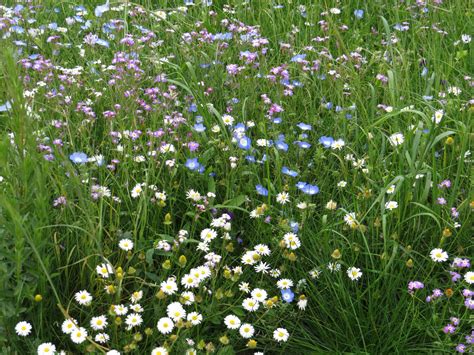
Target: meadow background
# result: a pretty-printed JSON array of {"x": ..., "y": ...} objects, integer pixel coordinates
[{"x": 344, "y": 124}]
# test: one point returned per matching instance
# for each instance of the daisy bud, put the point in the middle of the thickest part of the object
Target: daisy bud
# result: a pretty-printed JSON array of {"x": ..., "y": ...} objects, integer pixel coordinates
[
  {"x": 166, "y": 265},
  {"x": 447, "y": 233},
  {"x": 224, "y": 340},
  {"x": 409, "y": 263},
  {"x": 252, "y": 344},
  {"x": 449, "y": 141},
  {"x": 182, "y": 261},
  {"x": 336, "y": 254},
  {"x": 210, "y": 348},
  {"x": 38, "y": 298}
]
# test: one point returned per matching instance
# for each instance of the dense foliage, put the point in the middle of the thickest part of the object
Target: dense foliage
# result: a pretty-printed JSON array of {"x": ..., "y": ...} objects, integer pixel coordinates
[{"x": 275, "y": 177}]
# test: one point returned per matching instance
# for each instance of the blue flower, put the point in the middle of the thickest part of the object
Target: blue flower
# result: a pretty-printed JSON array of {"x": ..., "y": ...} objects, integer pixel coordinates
[
  {"x": 304, "y": 126},
  {"x": 294, "y": 226},
  {"x": 298, "y": 58},
  {"x": 304, "y": 145},
  {"x": 194, "y": 165},
  {"x": 359, "y": 14},
  {"x": 192, "y": 108},
  {"x": 199, "y": 127},
  {"x": 244, "y": 143},
  {"x": 240, "y": 127},
  {"x": 99, "y": 10},
  {"x": 281, "y": 145},
  {"x": 326, "y": 141},
  {"x": 78, "y": 158},
  {"x": 222, "y": 36},
  {"x": 300, "y": 185},
  {"x": 277, "y": 120},
  {"x": 261, "y": 190},
  {"x": 250, "y": 158},
  {"x": 6, "y": 107},
  {"x": 289, "y": 172},
  {"x": 102, "y": 42},
  {"x": 307, "y": 188},
  {"x": 310, "y": 189},
  {"x": 287, "y": 295}
]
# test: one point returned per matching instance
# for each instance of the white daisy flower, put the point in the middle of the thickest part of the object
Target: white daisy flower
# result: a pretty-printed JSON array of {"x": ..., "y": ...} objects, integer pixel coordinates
[
  {"x": 126, "y": 244},
  {"x": 232, "y": 322},
  {"x": 23, "y": 328},
  {"x": 165, "y": 325},
  {"x": 438, "y": 255},
  {"x": 469, "y": 277},
  {"x": 391, "y": 205},
  {"x": 195, "y": 318},
  {"x": 99, "y": 323},
  {"x": 83, "y": 297},
  {"x": 259, "y": 295},
  {"x": 354, "y": 273},
  {"x": 246, "y": 330},
  {"x": 281, "y": 335},
  {"x": 68, "y": 326},
  {"x": 79, "y": 335},
  {"x": 46, "y": 348},
  {"x": 159, "y": 351}
]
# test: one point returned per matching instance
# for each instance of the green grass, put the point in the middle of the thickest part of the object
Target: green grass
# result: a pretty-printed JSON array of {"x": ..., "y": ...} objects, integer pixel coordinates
[{"x": 53, "y": 251}]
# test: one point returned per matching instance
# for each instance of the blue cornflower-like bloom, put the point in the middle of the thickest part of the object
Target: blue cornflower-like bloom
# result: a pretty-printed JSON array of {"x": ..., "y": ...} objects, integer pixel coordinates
[
  {"x": 261, "y": 190},
  {"x": 304, "y": 145},
  {"x": 304, "y": 126},
  {"x": 277, "y": 120},
  {"x": 310, "y": 189},
  {"x": 300, "y": 185},
  {"x": 281, "y": 145},
  {"x": 102, "y": 42},
  {"x": 78, "y": 158},
  {"x": 289, "y": 172},
  {"x": 298, "y": 58},
  {"x": 199, "y": 127},
  {"x": 326, "y": 141},
  {"x": 99, "y": 10},
  {"x": 307, "y": 188},
  {"x": 244, "y": 143},
  {"x": 250, "y": 158},
  {"x": 359, "y": 14},
  {"x": 294, "y": 226},
  {"x": 287, "y": 295},
  {"x": 194, "y": 165}
]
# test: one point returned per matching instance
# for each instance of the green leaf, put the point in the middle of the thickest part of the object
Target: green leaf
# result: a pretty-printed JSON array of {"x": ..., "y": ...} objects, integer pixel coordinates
[
  {"x": 149, "y": 256},
  {"x": 236, "y": 201},
  {"x": 226, "y": 350}
]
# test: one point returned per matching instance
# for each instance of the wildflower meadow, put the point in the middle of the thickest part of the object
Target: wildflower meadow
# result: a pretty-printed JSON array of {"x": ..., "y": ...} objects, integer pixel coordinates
[{"x": 236, "y": 177}]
